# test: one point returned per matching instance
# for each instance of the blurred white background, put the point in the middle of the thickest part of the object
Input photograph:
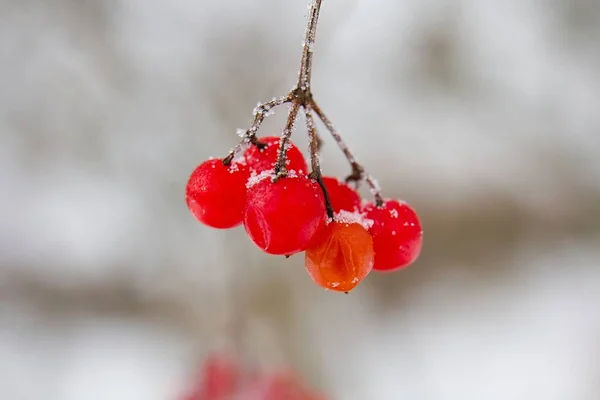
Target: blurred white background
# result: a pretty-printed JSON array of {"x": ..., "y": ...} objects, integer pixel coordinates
[{"x": 483, "y": 115}]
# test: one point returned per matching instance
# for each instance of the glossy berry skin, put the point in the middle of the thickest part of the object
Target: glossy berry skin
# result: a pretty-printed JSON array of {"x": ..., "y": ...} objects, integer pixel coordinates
[
  {"x": 265, "y": 159},
  {"x": 283, "y": 217},
  {"x": 216, "y": 193},
  {"x": 341, "y": 196},
  {"x": 397, "y": 235},
  {"x": 341, "y": 258}
]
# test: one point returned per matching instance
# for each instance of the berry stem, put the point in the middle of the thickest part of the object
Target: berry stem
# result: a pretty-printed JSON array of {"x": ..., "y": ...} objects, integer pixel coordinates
[
  {"x": 280, "y": 168},
  {"x": 358, "y": 171},
  {"x": 301, "y": 96},
  {"x": 315, "y": 164},
  {"x": 261, "y": 111}
]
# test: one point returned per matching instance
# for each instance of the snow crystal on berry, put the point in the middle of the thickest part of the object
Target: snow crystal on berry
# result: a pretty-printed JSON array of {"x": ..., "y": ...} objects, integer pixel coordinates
[
  {"x": 354, "y": 217},
  {"x": 233, "y": 167},
  {"x": 256, "y": 178},
  {"x": 394, "y": 213},
  {"x": 292, "y": 174},
  {"x": 269, "y": 173},
  {"x": 239, "y": 160}
]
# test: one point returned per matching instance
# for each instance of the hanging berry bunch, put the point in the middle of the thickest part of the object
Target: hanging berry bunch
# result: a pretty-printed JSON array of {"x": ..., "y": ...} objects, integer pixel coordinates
[{"x": 265, "y": 184}]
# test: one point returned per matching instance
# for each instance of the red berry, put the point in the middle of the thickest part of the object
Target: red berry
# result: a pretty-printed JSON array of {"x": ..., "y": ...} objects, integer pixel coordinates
[
  {"x": 216, "y": 193},
  {"x": 341, "y": 196},
  {"x": 265, "y": 158},
  {"x": 220, "y": 376},
  {"x": 282, "y": 217},
  {"x": 397, "y": 235},
  {"x": 342, "y": 257},
  {"x": 281, "y": 386},
  {"x": 223, "y": 377}
]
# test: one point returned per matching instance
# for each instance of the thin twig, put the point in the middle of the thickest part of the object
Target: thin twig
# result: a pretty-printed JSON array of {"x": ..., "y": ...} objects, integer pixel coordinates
[
  {"x": 261, "y": 111},
  {"x": 280, "y": 167},
  {"x": 301, "y": 96},
  {"x": 309, "y": 41},
  {"x": 315, "y": 164},
  {"x": 358, "y": 171},
  {"x": 301, "y": 93}
]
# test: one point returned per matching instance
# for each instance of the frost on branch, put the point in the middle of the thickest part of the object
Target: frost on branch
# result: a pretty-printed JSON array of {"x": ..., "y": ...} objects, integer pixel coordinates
[{"x": 287, "y": 209}]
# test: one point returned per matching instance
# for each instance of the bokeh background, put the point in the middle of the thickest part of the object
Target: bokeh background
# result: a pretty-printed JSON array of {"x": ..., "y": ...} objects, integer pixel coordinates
[{"x": 483, "y": 115}]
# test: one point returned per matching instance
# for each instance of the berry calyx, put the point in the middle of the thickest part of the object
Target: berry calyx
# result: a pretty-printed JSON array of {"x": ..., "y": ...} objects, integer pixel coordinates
[
  {"x": 265, "y": 158},
  {"x": 216, "y": 193},
  {"x": 397, "y": 234},
  {"x": 342, "y": 257},
  {"x": 282, "y": 217},
  {"x": 341, "y": 196}
]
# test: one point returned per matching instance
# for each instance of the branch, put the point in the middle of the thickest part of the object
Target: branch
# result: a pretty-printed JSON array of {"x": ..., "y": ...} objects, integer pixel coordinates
[
  {"x": 261, "y": 111},
  {"x": 315, "y": 165},
  {"x": 301, "y": 96},
  {"x": 358, "y": 171},
  {"x": 280, "y": 168},
  {"x": 309, "y": 41}
]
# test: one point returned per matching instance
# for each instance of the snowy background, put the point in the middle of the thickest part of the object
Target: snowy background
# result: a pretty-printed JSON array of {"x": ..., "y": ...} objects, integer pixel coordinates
[{"x": 483, "y": 115}]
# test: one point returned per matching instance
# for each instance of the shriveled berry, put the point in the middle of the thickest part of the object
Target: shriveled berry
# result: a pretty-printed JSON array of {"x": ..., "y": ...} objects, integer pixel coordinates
[
  {"x": 264, "y": 159},
  {"x": 216, "y": 193},
  {"x": 282, "y": 217},
  {"x": 342, "y": 257},
  {"x": 397, "y": 235},
  {"x": 341, "y": 196}
]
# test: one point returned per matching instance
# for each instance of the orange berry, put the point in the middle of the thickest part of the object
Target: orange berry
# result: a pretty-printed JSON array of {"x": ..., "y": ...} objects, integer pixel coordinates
[{"x": 342, "y": 257}]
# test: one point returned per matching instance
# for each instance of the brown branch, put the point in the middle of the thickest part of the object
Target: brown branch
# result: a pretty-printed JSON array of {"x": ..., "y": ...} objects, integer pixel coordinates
[
  {"x": 315, "y": 164},
  {"x": 261, "y": 111},
  {"x": 309, "y": 41},
  {"x": 358, "y": 171},
  {"x": 301, "y": 97},
  {"x": 280, "y": 168}
]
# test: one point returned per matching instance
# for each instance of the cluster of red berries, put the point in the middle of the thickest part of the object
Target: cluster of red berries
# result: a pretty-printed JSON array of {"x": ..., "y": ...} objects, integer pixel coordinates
[
  {"x": 285, "y": 215},
  {"x": 222, "y": 377}
]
